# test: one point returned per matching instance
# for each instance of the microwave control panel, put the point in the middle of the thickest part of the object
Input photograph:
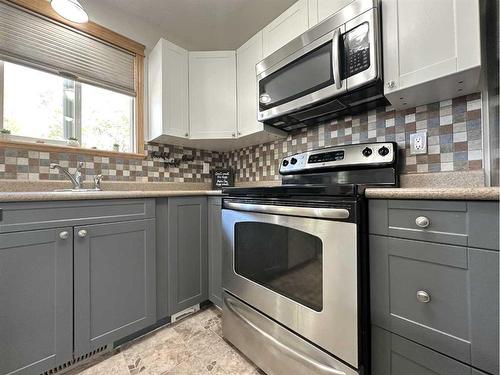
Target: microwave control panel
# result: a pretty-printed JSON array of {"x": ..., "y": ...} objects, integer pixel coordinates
[{"x": 357, "y": 49}]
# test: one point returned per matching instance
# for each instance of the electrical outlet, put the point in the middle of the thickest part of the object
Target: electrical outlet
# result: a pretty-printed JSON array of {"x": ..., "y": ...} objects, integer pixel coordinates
[
  {"x": 206, "y": 168},
  {"x": 418, "y": 143}
]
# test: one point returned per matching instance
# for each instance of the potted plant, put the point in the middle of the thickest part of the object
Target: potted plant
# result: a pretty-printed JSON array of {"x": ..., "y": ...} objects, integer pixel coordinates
[
  {"x": 72, "y": 142},
  {"x": 4, "y": 133},
  {"x": 116, "y": 147}
]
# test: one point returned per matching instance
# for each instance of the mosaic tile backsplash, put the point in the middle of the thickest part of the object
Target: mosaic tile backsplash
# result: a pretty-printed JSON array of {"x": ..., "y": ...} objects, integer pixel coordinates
[
  {"x": 33, "y": 165},
  {"x": 453, "y": 129},
  {"x": 454, "y": 144}
]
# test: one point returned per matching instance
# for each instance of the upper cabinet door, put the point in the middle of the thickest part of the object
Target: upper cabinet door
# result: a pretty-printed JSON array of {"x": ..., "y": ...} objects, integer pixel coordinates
[
  {"x": 212, "y": 94},
  {"x": 320, "y": 10},
  {"x": 290, "y": 24},
  {"x": 168, "y": 90},
  {"x": 248, "y": 55},
  {"x": 426, "y": 40}
]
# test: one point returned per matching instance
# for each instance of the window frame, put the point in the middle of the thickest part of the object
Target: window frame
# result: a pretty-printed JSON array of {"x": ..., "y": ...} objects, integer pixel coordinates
[{"x": 43, "y": 8}]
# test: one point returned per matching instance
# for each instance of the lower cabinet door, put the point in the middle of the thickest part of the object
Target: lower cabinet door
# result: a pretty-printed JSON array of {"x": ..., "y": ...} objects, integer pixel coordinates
[
  {"x": 441, "y": 296},
  {"x": 36, "y": 300},
  {"x": 215, "y": 250},
  {"x": 187, "y": 252},
  {"x": 114, "y": 286},
  {"x": 395, "y": 355}
]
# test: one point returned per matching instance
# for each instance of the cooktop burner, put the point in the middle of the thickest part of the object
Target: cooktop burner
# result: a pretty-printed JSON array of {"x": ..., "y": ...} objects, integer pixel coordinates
[{"x": 289, "y": 190}]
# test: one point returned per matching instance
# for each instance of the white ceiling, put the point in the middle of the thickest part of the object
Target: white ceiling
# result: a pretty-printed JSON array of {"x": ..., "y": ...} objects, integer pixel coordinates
[{"x": 201, "y": 24}]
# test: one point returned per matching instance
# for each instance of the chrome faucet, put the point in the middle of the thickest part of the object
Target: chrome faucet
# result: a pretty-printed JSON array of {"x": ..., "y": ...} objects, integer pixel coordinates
[{"x": 77, "y": 179}]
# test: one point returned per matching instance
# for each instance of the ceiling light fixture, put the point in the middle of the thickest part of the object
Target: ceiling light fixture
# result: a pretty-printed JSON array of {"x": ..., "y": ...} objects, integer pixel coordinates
[{"x": 71, "y": 10}]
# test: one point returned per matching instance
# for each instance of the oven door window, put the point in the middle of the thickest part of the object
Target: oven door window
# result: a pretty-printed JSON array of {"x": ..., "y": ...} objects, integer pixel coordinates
[
  {"x": 307, "y": 74},
  {"x": 285, "y": 260}
]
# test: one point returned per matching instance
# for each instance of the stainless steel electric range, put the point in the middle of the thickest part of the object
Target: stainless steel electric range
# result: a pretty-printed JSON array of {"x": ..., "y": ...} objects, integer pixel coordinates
[{"x": 295, "y": 268}]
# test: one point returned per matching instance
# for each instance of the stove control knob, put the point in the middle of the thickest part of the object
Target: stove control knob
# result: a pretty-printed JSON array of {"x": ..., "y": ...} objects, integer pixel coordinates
[
  {"x": 293, "y": 161},
  {"x": 285, "y": 163},
  {"x": 367, "y": 151},
  {"x": 383, "y": 151}
]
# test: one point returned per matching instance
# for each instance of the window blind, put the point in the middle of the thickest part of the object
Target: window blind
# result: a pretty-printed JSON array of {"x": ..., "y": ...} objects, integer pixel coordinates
[{"x": 37, "y": 41}]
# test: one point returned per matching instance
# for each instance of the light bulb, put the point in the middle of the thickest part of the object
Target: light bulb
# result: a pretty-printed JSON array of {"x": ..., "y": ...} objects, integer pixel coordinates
[{"x": 71, "y": 10}]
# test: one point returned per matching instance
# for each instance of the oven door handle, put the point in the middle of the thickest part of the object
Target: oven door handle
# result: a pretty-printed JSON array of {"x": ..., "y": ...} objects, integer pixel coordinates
[
  {"x": 322, "y": 213},
  {"x": 281, "y": 346}
]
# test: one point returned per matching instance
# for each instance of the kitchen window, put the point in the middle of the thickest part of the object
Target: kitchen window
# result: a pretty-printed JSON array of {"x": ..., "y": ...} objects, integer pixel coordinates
[
  {"x": 61, "y": 108},
  {"x": 63, "y": 84}
]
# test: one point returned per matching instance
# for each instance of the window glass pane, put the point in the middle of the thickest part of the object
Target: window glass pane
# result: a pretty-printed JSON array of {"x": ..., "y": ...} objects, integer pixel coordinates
[
  {"x": 33, "y": 102},
  {"x": 107, "y": 119},
  {"x": 285, "y": 260}
]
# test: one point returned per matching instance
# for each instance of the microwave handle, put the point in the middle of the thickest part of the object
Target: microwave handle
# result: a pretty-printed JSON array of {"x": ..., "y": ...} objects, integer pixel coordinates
[{"x": 336, "y": 59}]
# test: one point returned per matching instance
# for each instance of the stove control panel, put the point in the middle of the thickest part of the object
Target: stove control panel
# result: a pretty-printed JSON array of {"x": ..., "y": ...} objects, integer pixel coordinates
[{"x": 348, "y": 156}]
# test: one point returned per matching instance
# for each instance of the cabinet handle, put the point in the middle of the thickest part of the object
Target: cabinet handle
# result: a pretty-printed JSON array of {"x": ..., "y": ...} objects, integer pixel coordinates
[
  {"x": 391, "y": 84},
  {"x": 234, "y": 135},
  {"x": 82, "y": 233},
  {"x": 422, "y": 221},
  {"x": 64, "y": 235},
  {"x": 423, "y": 296},
  {"x": 186, "y": 135}
]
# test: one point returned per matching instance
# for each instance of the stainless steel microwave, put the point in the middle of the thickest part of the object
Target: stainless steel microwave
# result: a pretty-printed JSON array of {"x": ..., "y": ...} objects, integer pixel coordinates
[{"x": 332, "y": 69}]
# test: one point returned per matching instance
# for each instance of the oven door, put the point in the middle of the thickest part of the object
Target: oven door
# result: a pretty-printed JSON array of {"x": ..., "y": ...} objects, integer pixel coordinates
[
  {"x": 299, "y": 270},
  {"x": 305, "y": 77}
]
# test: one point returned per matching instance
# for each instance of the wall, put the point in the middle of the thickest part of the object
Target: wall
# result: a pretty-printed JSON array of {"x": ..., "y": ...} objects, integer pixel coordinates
[
  {"x": 453, "y": 128},
  {"x": 490, "y": 48},
  {"x": 20, "y": 164}
]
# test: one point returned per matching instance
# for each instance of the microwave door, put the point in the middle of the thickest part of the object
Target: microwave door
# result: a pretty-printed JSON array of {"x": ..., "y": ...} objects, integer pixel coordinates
[{"x": 305, "y": 77}]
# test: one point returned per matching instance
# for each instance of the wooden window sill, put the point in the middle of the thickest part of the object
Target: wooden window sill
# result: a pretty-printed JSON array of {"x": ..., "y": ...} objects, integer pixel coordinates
[{"x": 43, "y": 147}]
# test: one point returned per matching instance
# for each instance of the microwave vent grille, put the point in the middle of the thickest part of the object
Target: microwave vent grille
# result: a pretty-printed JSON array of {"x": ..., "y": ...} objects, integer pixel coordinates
[{"x": 330, "y": 107}]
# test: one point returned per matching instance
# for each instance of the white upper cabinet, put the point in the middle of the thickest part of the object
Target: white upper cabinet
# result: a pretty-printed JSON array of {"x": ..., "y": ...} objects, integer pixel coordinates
[
  {"x": 247, "y": 56},
  {"x": 212, "y": 95},
  {"x": 290, "y": 24},
  {"x": 168, "y": 91},
  {"x": 319, "y": 10},
  {"x": 431, "y": 49}
]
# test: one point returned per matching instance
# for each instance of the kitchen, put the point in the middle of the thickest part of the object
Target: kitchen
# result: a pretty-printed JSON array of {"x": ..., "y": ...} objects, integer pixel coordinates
[{"x": 249, "y": 187}]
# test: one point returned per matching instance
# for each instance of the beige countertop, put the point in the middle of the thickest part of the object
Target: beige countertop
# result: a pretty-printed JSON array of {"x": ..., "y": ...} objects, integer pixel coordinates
[
  {"x": 455, "y": 193},
  {"x": 31, "y": 191},
  {"x": 479, "y": 193},
  {"x": 66, "y": 196},
  {"x": 444, "y": 186}
]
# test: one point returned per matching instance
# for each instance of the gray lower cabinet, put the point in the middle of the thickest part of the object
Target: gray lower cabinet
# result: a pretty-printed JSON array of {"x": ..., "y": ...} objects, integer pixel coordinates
[
  {"x": 114, "y": 282},
  {"x": 473, "y": 224},
  {"x": 215, "y": 250},
  {"x": 187, "y": 252},
  {"x": 395, "y": 355},
  {"x": 442, "y": 296},
  {"x": 36, "y": 300}
]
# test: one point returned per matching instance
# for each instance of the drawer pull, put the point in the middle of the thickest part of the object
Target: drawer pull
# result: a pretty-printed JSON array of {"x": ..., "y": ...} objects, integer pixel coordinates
[
  {"x": 64, "y": 235},
  {"x": 82, "y": 233},
  {"x": 422, "y": 221},
  {"x": 423, "y": 296}
]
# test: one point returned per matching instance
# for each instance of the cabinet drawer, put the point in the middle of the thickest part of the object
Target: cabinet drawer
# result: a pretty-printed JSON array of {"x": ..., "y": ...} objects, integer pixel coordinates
[
  {"x": 39, "y": 215},
  {"x": 395, "y": 355},
  {"x": 447, "y": 221},
  {"x": 473, "y": 224},
  {"x": 459, "y": 283}
]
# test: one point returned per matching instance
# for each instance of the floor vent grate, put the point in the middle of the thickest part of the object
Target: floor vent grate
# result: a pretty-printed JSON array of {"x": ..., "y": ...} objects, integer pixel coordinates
[{"x": 76, "y": 361}]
